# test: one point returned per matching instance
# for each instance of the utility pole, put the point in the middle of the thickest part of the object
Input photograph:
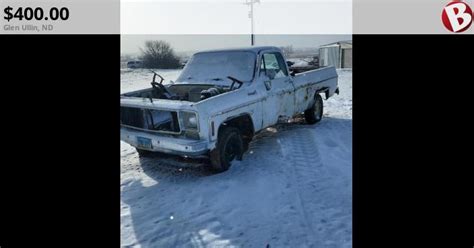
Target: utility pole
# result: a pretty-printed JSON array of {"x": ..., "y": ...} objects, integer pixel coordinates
[{"x": 252, "y": 35}]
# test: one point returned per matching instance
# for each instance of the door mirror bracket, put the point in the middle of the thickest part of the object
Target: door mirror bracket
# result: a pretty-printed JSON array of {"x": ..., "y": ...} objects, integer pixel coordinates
[{"x": 268, "y": 84}]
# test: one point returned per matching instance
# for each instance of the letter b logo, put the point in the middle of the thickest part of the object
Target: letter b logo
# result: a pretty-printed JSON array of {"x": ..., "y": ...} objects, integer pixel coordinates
[{"x": 457, "y": 16}]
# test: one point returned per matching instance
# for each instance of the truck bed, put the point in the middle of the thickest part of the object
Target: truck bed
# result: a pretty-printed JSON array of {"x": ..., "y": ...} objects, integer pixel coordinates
[{"x": 325, "y": 77}]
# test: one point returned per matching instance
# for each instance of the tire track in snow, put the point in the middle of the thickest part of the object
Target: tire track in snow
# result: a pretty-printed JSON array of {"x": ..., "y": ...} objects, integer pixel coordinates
[
  {"x": 296, "y": 144},
  {"x": 315, "y": 186}
]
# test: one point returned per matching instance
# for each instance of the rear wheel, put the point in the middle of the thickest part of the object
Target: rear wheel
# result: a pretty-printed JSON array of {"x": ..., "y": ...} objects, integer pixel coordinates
[
  {"x": 315, "y": 113},
  {"x": 229, "y": 147}
]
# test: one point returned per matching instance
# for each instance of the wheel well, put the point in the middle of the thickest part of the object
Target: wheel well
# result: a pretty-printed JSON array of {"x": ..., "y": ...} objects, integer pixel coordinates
[
  {"x": 243, "y": 123},
  {"x": 324, "y": 90}
]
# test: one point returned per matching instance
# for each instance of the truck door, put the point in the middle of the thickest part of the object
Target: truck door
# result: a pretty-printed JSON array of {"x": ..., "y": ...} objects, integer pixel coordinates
[{"x": 279, "y": 101}]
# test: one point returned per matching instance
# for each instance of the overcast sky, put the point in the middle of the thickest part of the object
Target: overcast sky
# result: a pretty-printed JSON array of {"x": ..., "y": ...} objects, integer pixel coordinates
[
  {"x": 232, "y": 17},
  {"x": 130, "y": 44},
  {"x": 192, "y": 25}
]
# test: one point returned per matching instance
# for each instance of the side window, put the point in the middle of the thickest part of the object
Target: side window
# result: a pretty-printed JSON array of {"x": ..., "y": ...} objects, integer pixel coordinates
[{"x": 273, "y": 65}]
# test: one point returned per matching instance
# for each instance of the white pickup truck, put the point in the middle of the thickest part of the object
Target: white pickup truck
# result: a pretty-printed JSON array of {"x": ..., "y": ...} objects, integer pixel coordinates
[{"x": 219, "y": 101}]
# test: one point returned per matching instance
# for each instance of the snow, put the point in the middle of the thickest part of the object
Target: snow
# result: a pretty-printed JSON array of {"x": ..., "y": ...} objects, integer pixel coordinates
[
  {"x": 292, "y": 189},
  {"x": 300, "y": 62},
  {"x": 212, "y": 65}
]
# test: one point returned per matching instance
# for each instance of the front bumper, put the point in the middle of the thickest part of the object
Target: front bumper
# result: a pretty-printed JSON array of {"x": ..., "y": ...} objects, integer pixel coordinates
[{"x": 170, "y": 145}]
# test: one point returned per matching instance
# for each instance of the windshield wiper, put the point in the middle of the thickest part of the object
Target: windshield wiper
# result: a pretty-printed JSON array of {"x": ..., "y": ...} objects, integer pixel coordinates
[{"x": 235, "y": 80}]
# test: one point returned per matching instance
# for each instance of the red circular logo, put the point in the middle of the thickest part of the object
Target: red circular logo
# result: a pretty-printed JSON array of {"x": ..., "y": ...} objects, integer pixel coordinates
[{"x": 457, "y": 16}]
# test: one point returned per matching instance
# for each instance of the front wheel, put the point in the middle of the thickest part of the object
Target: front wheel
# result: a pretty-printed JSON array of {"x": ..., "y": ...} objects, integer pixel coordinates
[
  {"x": 229, "y": 147},
  {"x": 315, "y": 113},
  {"x": 143, "y": 153}
]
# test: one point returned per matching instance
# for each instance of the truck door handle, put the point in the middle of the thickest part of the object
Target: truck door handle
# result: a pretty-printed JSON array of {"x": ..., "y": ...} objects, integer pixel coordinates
[{"x": 252, "y": 93}]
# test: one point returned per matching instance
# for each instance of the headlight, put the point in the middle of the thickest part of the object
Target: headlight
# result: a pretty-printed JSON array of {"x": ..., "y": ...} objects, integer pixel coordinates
[{"x": 189, "y": 120}]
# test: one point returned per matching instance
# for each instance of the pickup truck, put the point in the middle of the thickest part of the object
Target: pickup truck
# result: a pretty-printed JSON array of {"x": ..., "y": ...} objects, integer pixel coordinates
[{"x": 221, "y": 99}]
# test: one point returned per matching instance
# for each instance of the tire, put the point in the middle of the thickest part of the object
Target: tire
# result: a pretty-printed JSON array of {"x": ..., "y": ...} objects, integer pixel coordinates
[
  {"x": 229, "y": 147},
  {"x": 315, "y": 113},
  {"x": 143, "y": 153}
]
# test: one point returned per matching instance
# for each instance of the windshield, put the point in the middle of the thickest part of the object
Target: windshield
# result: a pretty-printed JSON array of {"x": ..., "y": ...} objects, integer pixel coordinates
[{"x": 217, "y": 66}]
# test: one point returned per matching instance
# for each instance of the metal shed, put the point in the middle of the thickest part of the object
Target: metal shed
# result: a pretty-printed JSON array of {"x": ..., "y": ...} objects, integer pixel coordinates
[{"x": 337, "y": 54}]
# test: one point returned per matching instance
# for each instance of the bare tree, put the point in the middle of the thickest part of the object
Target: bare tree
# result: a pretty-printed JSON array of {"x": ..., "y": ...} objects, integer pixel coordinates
[{"x": 159, "y": 54}]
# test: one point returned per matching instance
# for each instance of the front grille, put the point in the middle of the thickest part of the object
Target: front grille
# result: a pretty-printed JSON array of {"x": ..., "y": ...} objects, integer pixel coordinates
[{"x": 150, "y": 119}]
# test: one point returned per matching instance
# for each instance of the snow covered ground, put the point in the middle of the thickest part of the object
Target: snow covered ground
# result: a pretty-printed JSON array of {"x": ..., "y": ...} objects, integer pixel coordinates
[{"x": 292, "y": 189}]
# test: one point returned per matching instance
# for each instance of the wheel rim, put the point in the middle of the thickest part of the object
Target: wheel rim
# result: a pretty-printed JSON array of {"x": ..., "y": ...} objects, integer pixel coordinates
[
  {"x": 317, "y": 109},
  {"x": 230, "y": 151}
]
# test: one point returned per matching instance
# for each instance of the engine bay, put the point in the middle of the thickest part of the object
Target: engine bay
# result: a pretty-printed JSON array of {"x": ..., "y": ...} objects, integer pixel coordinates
[
  {"x": 184, "y": 92},
  {"x": 196, "y": 93},
  {"x": 181, "y": 92}
]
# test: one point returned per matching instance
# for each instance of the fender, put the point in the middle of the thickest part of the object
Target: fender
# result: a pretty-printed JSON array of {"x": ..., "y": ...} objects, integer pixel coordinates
[
  {"x": 234, "y": 117},
  {"x": 324, "y": 90}
]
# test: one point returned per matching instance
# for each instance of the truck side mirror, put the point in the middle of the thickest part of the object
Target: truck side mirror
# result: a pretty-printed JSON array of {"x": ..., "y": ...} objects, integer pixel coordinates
[
  {"x": 271, "y": 74},
  {"x": 264, "y": 76},
  {"x": 268, "y": 84}
]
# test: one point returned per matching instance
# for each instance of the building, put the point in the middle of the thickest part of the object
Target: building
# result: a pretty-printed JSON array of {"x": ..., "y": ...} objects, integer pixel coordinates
[{"x": 338, "y": 54}]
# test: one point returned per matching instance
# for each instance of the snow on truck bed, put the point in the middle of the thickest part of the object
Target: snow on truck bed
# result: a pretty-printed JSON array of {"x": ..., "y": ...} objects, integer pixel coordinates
[{"x": 292, "y": 189}]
